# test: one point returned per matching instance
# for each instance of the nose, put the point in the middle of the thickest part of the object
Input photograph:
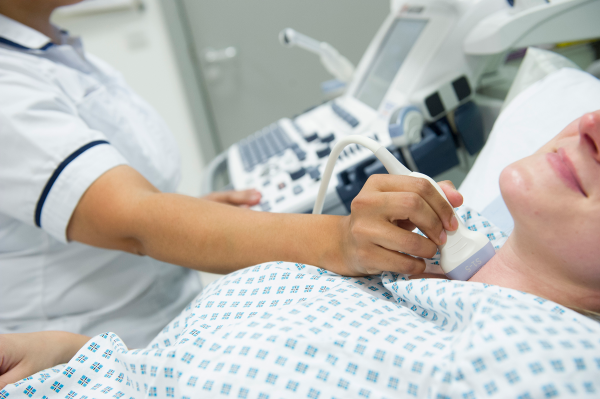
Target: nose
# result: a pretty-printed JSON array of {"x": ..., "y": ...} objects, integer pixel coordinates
[{"x": 589, "y": 133}]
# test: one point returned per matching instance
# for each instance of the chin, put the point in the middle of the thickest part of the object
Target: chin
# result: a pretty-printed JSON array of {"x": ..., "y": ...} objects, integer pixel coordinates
[{"x": 516, "y": 187}]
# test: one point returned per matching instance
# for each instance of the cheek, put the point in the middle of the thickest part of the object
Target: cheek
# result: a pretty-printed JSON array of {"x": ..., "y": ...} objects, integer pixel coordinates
[{"x": 579, "y": 245}]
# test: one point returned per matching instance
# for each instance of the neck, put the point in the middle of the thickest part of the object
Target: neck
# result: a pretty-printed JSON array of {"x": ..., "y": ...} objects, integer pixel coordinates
[
  {"x": 35, "y": 16},
  {"x": 526, "y": 270}
]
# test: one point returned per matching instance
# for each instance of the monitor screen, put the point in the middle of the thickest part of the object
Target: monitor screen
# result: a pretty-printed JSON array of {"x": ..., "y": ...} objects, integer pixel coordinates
[{"x": 388, "y": 60}]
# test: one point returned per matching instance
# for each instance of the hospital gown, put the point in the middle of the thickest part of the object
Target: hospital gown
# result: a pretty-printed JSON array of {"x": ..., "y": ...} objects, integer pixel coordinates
[{"x": 285, "y": 330}]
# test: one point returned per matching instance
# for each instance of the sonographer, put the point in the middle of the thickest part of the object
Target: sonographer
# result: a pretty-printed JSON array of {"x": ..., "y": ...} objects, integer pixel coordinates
[{"x": 92, "y": 235}]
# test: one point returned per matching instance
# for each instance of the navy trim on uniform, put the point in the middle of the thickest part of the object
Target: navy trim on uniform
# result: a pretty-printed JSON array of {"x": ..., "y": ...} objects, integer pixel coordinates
[
  {"x": 20, "y": 47},
  {"x": 59, "y": 169}
]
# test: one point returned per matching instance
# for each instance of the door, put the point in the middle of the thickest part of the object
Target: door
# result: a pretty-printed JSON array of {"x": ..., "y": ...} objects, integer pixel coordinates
[{"x": 251, "y": 80}]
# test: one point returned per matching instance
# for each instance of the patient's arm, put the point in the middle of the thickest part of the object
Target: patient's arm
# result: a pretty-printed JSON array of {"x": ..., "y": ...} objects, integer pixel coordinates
[{"x": 22, "y": 355}]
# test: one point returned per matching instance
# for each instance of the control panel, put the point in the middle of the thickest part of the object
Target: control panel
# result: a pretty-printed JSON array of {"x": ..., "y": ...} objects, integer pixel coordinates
[
  {"x": 284, "y": 160},
  {"x": 410, "y": 78}
]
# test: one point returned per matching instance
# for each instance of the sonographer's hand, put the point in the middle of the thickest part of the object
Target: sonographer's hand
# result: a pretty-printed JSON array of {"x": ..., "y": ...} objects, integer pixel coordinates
[
  {"x": 383, "y": 216},
  {"x": 22, "y": 355},
  {"x": 245, "y": 198}
]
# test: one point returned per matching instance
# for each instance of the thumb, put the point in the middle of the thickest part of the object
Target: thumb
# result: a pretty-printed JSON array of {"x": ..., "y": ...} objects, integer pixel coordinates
[
  {"x": 240, "y": 198},
  {"x": 455, "y": 198},
  {"x": 245, "y": 197}
]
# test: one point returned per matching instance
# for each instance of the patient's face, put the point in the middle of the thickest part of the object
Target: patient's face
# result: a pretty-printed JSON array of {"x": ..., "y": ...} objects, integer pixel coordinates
[{"x": 554, "y": 197}]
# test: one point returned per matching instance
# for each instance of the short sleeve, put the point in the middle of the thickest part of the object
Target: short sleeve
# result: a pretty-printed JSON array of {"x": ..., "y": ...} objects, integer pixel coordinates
[{"x": 49, "y": 157}]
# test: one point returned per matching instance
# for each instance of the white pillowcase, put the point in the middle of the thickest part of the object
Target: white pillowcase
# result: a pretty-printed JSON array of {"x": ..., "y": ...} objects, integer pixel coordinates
[{"x": 534, "y": 117}]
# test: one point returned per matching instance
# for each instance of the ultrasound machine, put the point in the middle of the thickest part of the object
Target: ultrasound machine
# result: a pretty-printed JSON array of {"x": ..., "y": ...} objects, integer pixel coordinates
[{"x": 413, "y": 91}]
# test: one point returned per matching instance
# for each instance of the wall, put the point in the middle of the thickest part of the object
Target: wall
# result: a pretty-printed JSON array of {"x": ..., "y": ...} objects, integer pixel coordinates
[{"x": 137, "y": 44}]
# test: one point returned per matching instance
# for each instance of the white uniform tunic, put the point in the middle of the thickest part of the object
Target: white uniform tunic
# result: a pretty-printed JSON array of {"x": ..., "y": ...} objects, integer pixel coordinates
[{"x": 65, "y": 119}]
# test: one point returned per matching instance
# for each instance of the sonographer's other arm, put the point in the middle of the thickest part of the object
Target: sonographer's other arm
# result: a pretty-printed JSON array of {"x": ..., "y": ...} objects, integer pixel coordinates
[
  {"x": 22, "y": 355},
  {"x": 121, "y": 210}
]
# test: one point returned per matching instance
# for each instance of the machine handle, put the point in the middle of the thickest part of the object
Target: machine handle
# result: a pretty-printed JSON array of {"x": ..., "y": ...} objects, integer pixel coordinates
[{"x": 216, "y": 166}]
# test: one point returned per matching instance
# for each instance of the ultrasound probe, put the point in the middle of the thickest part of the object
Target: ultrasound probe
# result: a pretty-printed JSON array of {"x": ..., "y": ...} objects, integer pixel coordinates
[{"x": 465, "y": 251}]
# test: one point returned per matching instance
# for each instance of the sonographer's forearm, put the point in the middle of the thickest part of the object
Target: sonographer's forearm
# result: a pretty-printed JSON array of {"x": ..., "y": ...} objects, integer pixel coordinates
[{"x": 218, "y": 238}]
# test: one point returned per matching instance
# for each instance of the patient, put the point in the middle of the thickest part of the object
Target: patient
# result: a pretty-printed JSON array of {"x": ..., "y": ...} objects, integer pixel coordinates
[
  {"x": 294, "y": 330},
  {"x": 554, "y": 198}
]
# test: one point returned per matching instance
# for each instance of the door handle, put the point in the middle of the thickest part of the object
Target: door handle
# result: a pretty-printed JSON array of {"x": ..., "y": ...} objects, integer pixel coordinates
[{"x": 213, "y": 56}]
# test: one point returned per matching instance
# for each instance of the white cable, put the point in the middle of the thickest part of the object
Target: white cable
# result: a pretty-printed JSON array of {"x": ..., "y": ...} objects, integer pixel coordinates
[{"x": 391, "y": 164}]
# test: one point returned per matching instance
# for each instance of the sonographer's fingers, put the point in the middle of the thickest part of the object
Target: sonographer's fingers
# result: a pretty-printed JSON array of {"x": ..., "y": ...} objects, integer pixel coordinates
[
  {"x": 455, "y": 198},
  {"x": 371, "y": 243},
  {"x": 422, "y": 187},
  {"x": 405, "y": 206},
  {"x": 405, "y": 224},
  {"x": 388, "y": 236},
  {"x": 414, "y": 208},
  {"x": 238, "y": 198},
  {"x": 377, "y": 259}
]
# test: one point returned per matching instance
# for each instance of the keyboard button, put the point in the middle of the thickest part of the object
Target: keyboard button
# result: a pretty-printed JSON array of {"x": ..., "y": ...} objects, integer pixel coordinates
[
  {"x": 295, "y": 175},
  {"x": 323, "y": 152},
  {"x": 344, "y": 115},
  {"x": 328, "y": 139},
  {"x": 311, "y": 137},
  {"x": 314, "y": 173},
  {"x": 301, "y": 155}
]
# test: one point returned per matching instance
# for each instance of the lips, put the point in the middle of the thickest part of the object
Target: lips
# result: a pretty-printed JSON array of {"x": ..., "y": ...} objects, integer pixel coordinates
[{"x": 562, "y": 165}]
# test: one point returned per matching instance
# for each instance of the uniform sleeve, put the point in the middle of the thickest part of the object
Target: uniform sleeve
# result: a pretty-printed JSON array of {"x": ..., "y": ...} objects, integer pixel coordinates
[{"x": 48, "y": 155}]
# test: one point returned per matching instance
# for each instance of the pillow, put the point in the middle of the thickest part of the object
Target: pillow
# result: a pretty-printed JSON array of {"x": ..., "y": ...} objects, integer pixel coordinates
[{"x": 535, "y": 115}]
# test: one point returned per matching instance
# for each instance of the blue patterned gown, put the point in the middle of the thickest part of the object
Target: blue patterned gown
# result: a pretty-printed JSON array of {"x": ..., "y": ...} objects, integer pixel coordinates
[{"x": 284, "y": 330}]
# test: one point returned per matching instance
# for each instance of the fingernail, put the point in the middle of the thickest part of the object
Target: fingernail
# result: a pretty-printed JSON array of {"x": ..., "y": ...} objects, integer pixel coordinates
[
  {"x": 454, "y": 223},
  {"x": 443, "y": 237},
  {"x": 256, "y": 196}
]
